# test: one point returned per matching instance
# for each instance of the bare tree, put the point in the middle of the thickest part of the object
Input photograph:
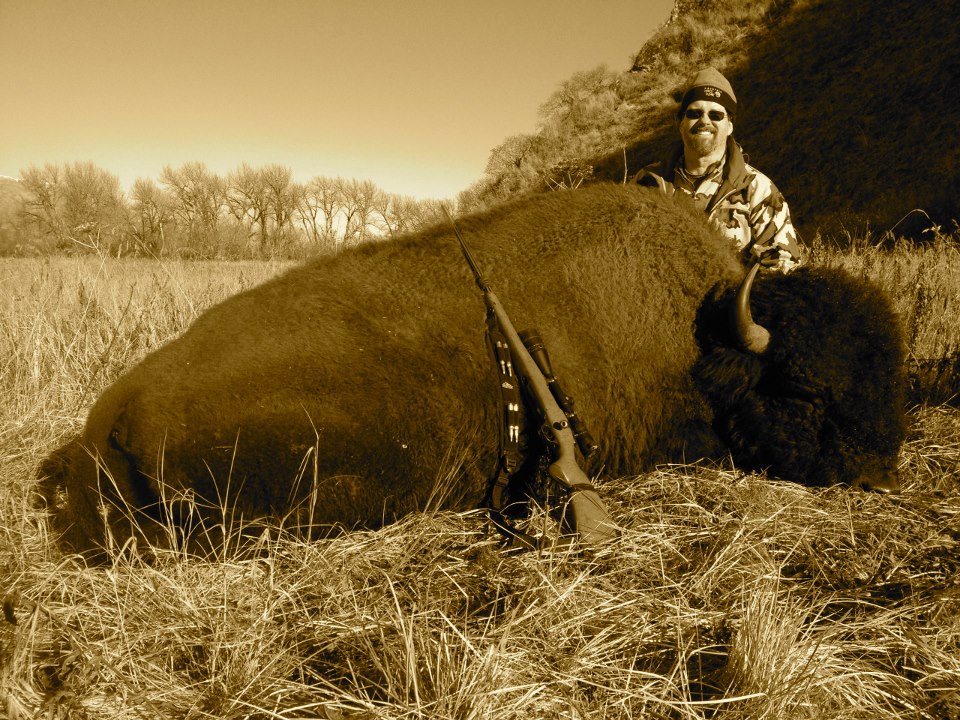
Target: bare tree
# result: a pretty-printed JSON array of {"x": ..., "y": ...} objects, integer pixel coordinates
[
  {"x": 356, "y": 199},
  {"x": 390, "y": 209},
  {"x": 513, "y": 167},
  {"x": 43, "y": 205},
  {"x": 247, "y": 200},
  {"x": 567, "y": 174},
  {"x": 588, "y": 116},
  {"x": 429, "y": 212},
  {"x": 317, "y": 208},
  {"x": 265, "y": 198},
  {"x": 13, "y": 230},
  {"x": 281, "y": 193},
  {"x": 400, "y": 213},
  {"x": 509, "y": 156},
  {"x": 200, "y": 200},
  {"x": 77, "y": 205},
  {"x": 588, "y": 98},
  {"x": 152, "y": 214}
]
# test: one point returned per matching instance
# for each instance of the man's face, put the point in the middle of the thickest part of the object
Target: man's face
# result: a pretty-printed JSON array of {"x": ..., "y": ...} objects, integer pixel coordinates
[{"x": 704, "y": 135}]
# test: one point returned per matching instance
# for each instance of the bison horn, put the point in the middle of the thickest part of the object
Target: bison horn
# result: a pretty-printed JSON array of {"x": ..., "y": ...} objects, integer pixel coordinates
[{"x": 753, "y": 338}]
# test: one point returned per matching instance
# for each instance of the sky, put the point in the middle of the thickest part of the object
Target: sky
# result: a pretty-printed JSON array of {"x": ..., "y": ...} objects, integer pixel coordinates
[{"x": 410, "y": 94}]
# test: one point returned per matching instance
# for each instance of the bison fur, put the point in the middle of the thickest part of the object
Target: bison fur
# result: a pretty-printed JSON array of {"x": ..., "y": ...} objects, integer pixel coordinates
[{"x": 344, "y": 391}]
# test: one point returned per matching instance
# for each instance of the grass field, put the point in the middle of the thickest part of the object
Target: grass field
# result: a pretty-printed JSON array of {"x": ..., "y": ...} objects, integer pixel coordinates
[{"x": 727, "y": 595}]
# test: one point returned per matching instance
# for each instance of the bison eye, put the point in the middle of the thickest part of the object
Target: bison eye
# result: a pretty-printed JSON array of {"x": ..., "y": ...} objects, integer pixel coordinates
[
  {"x": 53, "y": 498},
  {"x": 885, "y": 483}
]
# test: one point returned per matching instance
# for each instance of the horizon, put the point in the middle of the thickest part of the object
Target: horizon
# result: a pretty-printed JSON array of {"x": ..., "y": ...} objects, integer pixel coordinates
[{"x": 423, "y": 98}]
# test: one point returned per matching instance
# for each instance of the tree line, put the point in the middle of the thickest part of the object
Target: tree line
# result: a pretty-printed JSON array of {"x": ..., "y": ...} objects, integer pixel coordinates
[{"x": 191, "y": 211}]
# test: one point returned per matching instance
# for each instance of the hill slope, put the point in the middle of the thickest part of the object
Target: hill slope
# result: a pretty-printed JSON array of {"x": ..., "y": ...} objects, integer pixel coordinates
[{"x": 848, "y": 105}]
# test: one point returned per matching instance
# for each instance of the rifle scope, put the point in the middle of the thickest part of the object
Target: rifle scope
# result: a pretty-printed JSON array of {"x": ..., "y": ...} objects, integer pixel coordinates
[{"x": 538, "y": 351}]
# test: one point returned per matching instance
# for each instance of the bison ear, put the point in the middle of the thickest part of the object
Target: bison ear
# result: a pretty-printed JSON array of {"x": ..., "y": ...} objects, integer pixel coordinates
[{"x": 753, "y": 338}]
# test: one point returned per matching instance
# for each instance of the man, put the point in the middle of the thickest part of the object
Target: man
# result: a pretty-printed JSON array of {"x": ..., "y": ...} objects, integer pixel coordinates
[{"x": 709, "y": 167}]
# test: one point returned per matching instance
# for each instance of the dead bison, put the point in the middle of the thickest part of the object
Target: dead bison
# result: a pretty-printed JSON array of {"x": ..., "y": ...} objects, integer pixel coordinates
[{"x": 345, "y": 389}]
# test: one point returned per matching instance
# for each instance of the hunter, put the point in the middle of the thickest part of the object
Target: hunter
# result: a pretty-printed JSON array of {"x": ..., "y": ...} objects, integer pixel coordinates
[{"x": 708, "y": 166}]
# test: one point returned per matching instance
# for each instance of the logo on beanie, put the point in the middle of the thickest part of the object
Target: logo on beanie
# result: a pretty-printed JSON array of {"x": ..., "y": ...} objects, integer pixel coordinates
[{"x": 712, "y": 92}]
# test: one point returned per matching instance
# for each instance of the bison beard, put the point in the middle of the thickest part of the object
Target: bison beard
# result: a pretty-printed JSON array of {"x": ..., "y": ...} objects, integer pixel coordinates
[{"x": 343, "y": 392}]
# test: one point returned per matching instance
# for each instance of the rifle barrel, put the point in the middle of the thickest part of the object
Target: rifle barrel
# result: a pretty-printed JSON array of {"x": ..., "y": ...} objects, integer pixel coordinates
[{"x": 481, "y": 283}]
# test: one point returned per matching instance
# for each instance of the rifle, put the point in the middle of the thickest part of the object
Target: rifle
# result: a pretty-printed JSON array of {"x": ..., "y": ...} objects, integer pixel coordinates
[{"x": 586, "y": 513}]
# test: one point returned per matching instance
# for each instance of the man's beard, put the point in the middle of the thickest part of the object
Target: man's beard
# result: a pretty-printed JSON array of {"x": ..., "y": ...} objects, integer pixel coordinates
[{"x": 704, "y": 145}]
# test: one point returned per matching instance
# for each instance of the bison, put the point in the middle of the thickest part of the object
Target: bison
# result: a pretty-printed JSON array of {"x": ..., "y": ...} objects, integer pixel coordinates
[{"x": 343, "y": 392}]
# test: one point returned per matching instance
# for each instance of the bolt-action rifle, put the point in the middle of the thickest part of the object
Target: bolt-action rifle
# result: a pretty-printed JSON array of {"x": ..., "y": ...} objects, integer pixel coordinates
[{"x": 561, "y": 427}]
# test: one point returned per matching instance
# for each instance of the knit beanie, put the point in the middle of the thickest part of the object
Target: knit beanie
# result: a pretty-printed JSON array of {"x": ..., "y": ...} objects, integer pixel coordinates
[{"x": 709, "y": 84}]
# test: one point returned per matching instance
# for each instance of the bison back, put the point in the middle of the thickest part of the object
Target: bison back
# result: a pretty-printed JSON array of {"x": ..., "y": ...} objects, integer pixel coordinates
[{"x": 357, "y": 387}]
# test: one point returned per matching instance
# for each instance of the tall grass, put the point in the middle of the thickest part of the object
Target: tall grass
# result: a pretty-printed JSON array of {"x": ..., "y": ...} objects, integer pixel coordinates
[
  {"x": 923, "y": 281},
  {"x": 726, "y": 595}
]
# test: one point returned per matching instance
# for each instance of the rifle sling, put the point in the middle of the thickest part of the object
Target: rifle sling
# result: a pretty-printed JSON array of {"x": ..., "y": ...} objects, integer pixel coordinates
[
  {"x": 510, "y": 418},
  {"x": 508, "y": 432},
  {"x": 510, "y": 402}
]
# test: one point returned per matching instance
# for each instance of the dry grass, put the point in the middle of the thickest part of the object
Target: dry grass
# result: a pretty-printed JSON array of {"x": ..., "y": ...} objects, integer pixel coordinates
[
  {"x": 923, "y": 280},
  {"x": 727, "y": 595}
]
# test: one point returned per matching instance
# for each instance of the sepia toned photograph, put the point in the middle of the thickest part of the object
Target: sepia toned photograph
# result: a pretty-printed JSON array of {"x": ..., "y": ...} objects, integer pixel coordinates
[{"x": 504, "y": 360}]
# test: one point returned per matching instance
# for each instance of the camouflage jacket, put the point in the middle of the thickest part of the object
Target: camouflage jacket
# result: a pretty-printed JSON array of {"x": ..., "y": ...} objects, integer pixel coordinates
[{"x": 741, "y": 201}]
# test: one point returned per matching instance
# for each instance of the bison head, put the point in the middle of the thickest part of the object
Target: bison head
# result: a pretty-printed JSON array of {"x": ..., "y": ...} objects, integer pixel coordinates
[{"x": 814, "y": 390}]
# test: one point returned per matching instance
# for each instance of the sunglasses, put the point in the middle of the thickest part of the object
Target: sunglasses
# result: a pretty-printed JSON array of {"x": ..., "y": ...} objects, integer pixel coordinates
[{"x": 715, "y": 115}]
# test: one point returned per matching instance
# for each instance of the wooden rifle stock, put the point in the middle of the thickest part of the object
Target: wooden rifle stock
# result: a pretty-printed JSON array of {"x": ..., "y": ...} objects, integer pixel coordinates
[{"x": 586, "y": 512}]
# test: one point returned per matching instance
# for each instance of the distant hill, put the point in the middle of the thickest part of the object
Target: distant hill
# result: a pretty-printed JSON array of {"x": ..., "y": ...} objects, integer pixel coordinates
[{"x": 851, "y": 106}]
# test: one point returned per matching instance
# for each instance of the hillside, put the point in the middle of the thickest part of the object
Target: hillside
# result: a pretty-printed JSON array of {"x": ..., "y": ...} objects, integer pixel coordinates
[{"x": 847, "y": 104}]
